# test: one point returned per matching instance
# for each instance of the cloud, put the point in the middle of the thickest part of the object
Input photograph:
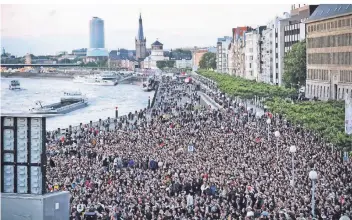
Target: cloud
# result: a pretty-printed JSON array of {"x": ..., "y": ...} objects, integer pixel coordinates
[{"x": 52, "y": 12}]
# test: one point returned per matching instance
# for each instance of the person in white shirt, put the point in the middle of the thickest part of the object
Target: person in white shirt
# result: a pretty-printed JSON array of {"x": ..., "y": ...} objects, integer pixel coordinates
[{"x": 189, "y": 200}]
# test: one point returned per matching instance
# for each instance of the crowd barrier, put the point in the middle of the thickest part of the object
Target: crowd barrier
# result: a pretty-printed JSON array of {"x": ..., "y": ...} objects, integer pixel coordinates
[{"x": 154, "y": 97}]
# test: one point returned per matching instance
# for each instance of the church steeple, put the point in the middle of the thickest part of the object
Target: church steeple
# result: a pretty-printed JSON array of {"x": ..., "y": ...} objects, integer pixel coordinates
[
  {"x": 140, "y": 36},
  {"x": 141, "y": 49}
]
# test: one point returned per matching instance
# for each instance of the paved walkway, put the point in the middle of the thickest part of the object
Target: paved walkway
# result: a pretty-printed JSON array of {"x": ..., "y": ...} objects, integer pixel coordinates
[
  {"x": 258, "y": 110},
  {"x": 209, "y": 101}
]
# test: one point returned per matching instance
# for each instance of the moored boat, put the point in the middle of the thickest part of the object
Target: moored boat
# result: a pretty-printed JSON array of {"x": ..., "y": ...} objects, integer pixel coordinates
[
  {"x": 79, "y": 79},
  {"x": 69, "y": 102},
  {"x": 148, "y": 85},
  {"x": 103, "y": 79},
  {"x": 15, "y": 85}
]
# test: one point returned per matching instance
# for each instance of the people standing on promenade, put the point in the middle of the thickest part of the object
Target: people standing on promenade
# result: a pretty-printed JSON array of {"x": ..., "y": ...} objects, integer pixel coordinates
[{"x": 182, "y": 161}]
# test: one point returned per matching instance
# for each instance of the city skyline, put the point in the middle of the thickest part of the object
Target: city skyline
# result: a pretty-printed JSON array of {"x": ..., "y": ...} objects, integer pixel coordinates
[{"x": 65, "y": 27}]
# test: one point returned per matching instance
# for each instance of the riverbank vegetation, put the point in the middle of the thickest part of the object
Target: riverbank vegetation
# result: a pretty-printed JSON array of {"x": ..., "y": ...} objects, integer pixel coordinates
[
  {"x": 246, "y": 89},
  {"x": 324, "y": 118}
]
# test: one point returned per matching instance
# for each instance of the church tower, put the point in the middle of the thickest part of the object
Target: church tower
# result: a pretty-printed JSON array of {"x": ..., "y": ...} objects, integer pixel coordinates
[{"x": 141, "y": 50}]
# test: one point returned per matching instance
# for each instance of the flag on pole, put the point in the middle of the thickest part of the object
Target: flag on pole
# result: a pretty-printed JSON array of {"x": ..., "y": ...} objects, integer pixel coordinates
[{"x": 348, "y": 114}]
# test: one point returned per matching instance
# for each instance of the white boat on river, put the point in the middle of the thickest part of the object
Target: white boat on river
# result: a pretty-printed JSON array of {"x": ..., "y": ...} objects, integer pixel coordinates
[{"x": 103, "y": 79}]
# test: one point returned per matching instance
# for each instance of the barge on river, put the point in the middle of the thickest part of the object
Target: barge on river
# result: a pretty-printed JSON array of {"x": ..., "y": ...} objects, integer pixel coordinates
[
  {"x": 15, "y": 85},
  {"x": 71, "y": 101}
]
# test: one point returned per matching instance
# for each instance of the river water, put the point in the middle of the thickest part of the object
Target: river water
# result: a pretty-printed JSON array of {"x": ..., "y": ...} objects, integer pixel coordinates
[{"x": 102, "y": 99}]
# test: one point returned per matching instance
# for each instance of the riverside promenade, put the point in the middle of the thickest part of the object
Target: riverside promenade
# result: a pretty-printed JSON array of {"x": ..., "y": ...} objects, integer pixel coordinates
[
  {"x": 210, "y": 93},
  {"x": 177, "y": 156}
]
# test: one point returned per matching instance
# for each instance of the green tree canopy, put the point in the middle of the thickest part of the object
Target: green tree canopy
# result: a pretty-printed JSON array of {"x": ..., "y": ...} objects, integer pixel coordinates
[
  {"x": 324, "y": 118},
  {"x": 208, "y": 61},
  {"x": 295, "y": 66},
  {"x": 162, "y": 64},
  {"x": 170, "y": 63},
  {"x": 65, "y": 61},
  {"x": 244, "y": 88},
  {"x": 91, "y": 64}
]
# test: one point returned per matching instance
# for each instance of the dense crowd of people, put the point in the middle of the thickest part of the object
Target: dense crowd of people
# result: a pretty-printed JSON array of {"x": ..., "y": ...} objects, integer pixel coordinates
[{"x": 181, "y": 160}]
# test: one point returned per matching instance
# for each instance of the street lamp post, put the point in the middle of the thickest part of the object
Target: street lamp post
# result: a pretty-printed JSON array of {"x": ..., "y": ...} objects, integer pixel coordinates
[
  {"x": 268, "y": 122},
  {"x": 293, "y": 151},
  {"x": 313, "y": 176},
  {"x": 248, "y": 108},
  {"x": 277, "y": 135}
]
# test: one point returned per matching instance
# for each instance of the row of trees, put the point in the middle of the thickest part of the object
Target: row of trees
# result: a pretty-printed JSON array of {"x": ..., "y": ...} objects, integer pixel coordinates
[
  {"x": 162, "y": 64},
  {"x": 323, "y": 118},
  {"x": 326, "y": 119},
  {"x": 243, "y": 88}
]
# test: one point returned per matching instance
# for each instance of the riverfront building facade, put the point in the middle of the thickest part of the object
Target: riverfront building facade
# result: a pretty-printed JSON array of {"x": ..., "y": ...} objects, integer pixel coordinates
[
  {"x": 157, "y": 54},
  {"x": 222, "y": 54},
  {"x": 329, "y": 52}
]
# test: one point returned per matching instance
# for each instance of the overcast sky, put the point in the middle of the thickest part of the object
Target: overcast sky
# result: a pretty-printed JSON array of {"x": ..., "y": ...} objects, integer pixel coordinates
[{"x": 47, "y": 29}]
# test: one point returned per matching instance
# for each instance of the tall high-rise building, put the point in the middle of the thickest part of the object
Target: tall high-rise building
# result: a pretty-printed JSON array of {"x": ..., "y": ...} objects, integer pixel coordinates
[
  {"x": 96, "y": 39},
  {"x": 141, "y": 50},
  {"x": 96, "y": 28}
]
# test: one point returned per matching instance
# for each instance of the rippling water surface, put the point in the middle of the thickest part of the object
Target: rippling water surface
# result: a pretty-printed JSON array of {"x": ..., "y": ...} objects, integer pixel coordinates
[{"x": 102, "y": 99}]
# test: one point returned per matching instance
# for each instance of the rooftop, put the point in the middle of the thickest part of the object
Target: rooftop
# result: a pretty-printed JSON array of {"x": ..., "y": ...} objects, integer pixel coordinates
[
  {"x": 97, "y": 52},
  {"x": 157, "y": 43},
  {"x": 325, "y": 11},
  {"x": 225, "y": 38}
]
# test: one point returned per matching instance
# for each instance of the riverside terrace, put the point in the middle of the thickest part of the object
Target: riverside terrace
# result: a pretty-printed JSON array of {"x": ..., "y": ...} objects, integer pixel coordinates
[{"x": 198, "y": 164}]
